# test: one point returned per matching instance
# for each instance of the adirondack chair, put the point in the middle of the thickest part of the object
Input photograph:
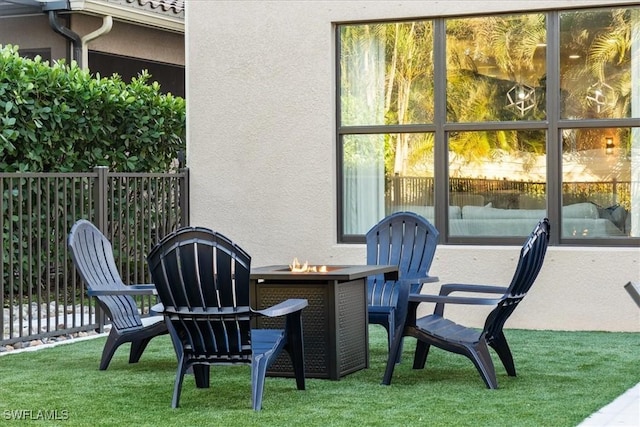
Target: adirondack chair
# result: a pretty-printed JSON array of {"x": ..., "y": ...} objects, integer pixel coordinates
[
  {"x": 202, "y": 279},
  {"x": 435, "y": 329},
  {"x": 92, "y": 256},
  {"x": 409, "y": 241}
]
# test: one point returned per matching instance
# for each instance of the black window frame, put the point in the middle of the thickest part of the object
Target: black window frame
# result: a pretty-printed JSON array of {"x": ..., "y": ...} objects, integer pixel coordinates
[{"x": 553, "y": 125}]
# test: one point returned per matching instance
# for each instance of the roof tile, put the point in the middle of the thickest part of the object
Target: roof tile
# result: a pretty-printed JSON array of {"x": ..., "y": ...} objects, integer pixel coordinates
[{"x": 177, "y": 6}]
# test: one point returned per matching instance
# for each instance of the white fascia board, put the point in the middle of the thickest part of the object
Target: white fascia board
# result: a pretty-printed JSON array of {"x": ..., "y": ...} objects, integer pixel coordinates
[{"x": 128, "y": 14}]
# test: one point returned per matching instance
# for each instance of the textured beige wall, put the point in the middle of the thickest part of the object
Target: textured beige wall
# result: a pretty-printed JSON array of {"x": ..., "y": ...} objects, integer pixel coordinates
[
  {"x": 261, "y": 150},
  {"x": 39, "y": 35}
]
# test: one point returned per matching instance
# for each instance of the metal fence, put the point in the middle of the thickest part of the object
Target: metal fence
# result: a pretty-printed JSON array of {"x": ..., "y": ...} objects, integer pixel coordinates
[
  {"x": 402, "y": 191},
  {"x": 42, "y": 294}
]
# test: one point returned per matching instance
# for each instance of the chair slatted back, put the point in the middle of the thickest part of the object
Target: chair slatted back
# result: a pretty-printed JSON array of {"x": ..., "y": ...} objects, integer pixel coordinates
[
  {"x": 92, "y": 256},
  {"x": 199, "y": 271},
  {"x": 529, "y": 264},
  {"x": 404, "y": 239}
]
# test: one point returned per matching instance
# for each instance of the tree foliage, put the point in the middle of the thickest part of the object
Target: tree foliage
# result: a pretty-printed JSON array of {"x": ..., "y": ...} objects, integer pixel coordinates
[{"x": 59, "y": 118}]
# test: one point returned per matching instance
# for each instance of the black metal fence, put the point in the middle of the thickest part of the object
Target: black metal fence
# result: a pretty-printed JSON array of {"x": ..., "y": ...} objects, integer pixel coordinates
[
  {"x": 42, "y": 295},
  {"x": 402, "y": 191}
]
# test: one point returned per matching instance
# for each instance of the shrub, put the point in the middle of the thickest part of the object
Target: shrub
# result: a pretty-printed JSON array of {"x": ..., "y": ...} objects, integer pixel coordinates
[{"x": 59, "y": 118}]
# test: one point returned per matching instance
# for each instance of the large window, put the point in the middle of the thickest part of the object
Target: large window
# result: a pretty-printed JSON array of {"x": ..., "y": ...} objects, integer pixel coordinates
[{"x": 486, "y": 124}]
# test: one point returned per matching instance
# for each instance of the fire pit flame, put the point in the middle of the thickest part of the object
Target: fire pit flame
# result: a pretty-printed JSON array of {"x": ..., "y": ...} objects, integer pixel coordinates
[{"x": 296, "y": 267}]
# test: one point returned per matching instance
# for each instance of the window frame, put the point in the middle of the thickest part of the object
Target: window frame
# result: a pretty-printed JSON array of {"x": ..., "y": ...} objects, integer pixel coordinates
[{"x": 553, "y": 125}]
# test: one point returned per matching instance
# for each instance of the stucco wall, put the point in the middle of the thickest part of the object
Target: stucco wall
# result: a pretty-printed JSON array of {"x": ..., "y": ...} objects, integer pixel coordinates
[
  {"x": 262, "y": 155},
  {"x": 39, "y": 35}
]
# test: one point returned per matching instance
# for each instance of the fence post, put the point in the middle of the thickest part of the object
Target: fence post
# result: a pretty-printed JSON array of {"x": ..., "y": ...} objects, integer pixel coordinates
[
  {"x": 101, "y": 217},
  {"x": 100, "y": 198},
  {"x": 184, "y": 197}
]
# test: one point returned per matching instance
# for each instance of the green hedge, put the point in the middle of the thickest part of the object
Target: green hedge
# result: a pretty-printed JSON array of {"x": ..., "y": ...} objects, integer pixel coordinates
[{"x": 59, "y": 118}]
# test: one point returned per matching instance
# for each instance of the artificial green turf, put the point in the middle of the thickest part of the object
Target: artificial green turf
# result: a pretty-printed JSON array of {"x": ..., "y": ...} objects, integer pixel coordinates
[{"x": 563, "y": 377}]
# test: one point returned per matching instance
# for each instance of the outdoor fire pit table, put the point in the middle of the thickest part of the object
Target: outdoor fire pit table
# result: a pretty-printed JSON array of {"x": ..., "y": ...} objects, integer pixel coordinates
[{"x": 335, "y": 326}]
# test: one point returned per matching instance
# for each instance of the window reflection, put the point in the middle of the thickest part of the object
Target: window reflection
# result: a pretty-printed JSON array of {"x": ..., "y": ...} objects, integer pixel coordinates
[
  {"x": 386, "y": 73},
  {"x": 596, "y": 51},
  {"x": 496, "y": 182},
  {"x": 597, "y": 183},
  {"x": 376, "y": 184},
  {"x": 496, "y": 68}
]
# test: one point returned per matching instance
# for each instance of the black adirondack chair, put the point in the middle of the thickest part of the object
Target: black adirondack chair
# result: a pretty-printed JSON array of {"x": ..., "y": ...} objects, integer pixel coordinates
[
  {"x": 202, "y": 279},
  {"x": 435, "y": 329},
  {"x": 409, "y": 241},
  {"x": 92, "y": 256}
]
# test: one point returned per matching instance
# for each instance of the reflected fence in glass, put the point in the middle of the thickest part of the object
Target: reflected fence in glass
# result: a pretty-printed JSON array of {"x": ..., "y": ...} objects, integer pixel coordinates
[{"x": 500, "y": 207}]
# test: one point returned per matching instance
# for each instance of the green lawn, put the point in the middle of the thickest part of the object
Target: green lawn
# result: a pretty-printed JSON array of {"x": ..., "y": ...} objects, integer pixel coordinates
[{"x": 563, "y": 377}]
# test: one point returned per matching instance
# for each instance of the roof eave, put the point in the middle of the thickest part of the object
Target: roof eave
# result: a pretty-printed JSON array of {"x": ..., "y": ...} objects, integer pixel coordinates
[{"x": 129, "y": 14}]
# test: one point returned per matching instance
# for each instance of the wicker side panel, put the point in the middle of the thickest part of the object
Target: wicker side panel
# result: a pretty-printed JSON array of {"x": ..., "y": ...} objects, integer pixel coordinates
[
  {"x": 352, "y": 326},
  {"x": 315, "y": 320}
]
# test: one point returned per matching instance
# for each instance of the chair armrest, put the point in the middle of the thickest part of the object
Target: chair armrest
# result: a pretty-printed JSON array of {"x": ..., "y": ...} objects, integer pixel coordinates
[
  {"x": 448, "y": 288},
  {"x": 444, "y": 299},
  {"x": 146, "y": 289},
  {"x": 285, "y": 307},
  {"x": 441, "y": 300}
]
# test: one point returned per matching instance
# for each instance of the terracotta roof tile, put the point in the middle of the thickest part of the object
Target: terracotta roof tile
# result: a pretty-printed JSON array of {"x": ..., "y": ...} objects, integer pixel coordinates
[{"x": 175, "y": 6}]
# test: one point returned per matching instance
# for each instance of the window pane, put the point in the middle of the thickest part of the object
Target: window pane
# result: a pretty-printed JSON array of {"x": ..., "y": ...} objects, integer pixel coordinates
[
  {"x": 599, "y": 197},
  {"x": 494, "y": 125},
  {"x": 496, "y": 68},
  {"x": 386, "y": 73},
  {"x": 496, "y": 182},
  {"x": 385, "y": 173},
  {"x": 596, "y": 52}
]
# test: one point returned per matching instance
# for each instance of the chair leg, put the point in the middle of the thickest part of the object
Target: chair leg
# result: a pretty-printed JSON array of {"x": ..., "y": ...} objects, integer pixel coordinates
[
  {"x": 391, "y": 336},
  {"x": 177, "y": 387},
  {"x": 201, "y": 375},
  {"x": 420, "y": 355},
  {"x": 500, "y": 345},
  {"x": 399, "y": 356},
  {"x": 394, "y": 352},
  {"x": 113, "y": 342},
  {"x": 481, "y": 358},
  {"x": 137, "y": 348},
  {"x": 258, "y": 373},
  {"x": 295, "y": 348}
]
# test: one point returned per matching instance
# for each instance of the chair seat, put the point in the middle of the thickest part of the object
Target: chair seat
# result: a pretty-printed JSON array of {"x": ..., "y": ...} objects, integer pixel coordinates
[
  {"x": 382, "y": 315},
  {"x": 151, "y": 320},
  {"x": 447, "y": 330},
  {"x": 381, "y": 309},
  {"x": 266, "y": 340}
]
